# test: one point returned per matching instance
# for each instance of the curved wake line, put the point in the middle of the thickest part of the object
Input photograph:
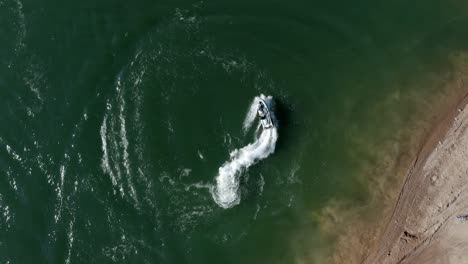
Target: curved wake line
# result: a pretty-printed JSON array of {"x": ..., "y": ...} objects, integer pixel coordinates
[{"x": 226, "y": 192}]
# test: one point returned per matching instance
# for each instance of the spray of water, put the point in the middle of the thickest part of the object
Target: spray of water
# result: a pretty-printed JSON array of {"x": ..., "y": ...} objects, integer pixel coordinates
[
  {"x": 251, "y": 114},
  {"x": 226, "y": 192}
]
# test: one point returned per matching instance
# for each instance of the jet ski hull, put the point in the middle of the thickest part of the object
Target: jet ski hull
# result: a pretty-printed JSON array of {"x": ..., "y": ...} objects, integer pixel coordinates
[{"x": 266, "y": 120}]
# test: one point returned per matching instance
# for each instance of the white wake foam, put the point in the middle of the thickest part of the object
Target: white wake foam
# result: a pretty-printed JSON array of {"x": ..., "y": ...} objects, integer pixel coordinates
[
  {"x": 226, "y": 192},
  {"x": 251, "y": 114}
]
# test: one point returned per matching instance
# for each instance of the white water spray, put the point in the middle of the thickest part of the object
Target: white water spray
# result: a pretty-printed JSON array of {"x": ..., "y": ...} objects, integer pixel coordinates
[
  {"x": 251, "y": 114},
  {"x": 226, "y": 192}
]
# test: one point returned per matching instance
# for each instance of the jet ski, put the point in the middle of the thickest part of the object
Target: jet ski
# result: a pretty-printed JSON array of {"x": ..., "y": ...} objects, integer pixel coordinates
[{"x": 264, "y": 115}]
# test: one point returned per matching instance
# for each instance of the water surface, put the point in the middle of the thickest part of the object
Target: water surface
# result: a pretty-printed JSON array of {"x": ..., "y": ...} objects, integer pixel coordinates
[{"x": 116, "y": 117}]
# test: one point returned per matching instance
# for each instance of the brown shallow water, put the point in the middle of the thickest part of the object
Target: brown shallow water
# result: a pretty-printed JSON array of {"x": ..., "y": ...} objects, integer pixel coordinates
[
  {"x": 358, "y": 230},
  {"x": 428, "y": 222}
]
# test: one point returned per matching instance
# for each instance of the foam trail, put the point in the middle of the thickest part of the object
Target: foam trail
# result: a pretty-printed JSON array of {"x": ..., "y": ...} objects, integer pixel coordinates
[
  {"x": 226, "y": 192},
  {"x": 251, "y": 114},
  {"x": 105, "y": 157}
]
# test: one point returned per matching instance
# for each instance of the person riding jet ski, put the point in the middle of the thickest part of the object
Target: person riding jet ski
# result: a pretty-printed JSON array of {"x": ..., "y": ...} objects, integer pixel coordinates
[{"x": 264, "y": 115}]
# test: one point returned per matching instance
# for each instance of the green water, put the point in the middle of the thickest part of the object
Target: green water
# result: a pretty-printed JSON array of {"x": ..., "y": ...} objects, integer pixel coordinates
[{"x": 115, "y": 117}]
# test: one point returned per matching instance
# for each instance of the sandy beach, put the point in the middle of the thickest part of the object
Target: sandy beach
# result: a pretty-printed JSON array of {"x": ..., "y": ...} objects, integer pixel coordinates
[
  {"x": 429, "y": 223},
  {"x": 417, "y": 203}
]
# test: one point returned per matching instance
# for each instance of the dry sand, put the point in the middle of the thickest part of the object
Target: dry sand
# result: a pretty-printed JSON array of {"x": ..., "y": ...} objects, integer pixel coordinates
[{"x": 429, "y": 223}]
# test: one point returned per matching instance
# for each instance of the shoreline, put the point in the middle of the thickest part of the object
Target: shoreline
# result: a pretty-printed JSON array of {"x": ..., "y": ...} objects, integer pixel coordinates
[
  {"x": 368, "y": 232},
  {"x": 418, "y": 229}
]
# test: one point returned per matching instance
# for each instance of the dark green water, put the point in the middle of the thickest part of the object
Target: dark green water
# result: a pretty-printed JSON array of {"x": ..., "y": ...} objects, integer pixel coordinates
[{"x": 116, "y": 115}]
